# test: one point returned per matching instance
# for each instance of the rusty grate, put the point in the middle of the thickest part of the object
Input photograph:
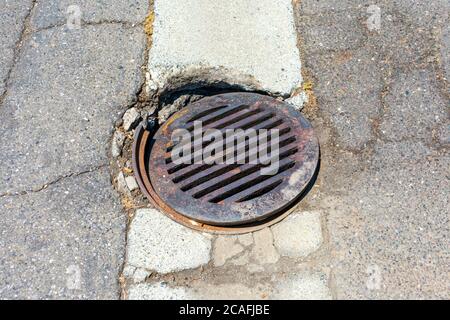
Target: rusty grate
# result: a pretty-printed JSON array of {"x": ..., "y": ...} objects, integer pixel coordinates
[{"x": 227, "y": 191}]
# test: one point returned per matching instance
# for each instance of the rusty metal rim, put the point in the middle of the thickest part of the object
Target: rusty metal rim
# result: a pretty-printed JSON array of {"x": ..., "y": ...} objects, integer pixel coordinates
[{"x": 138, "y": 162}]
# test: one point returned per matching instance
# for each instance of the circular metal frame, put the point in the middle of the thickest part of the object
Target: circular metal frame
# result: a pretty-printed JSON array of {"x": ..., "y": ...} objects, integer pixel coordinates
[{"x": 142, "y": 143}]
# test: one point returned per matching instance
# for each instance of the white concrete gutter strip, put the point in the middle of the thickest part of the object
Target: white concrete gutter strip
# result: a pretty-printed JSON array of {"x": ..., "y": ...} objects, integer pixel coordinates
[{"x": 250, "y": 43}]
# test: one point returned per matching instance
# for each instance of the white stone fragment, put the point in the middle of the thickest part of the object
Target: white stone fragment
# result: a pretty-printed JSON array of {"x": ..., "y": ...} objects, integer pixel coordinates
[
  {"x": 298, "y": 101},
  {"x": 131, "y": 183},
  {"x": 128, "y": 271},
  {"x": 307, "y": 286},
  {"x": 117, "y": 144},
  {"x": 121, "y": 183},
  {"x": 246, "y": 239},
  {"x": 157, "y": 291},
  {"x": 264, "y": 251},
  {"x": 131, "y": 119},
  {"x": 140, "y": 275},
  {"x": 225, "y": 247},
  {"x": 298, "y": 235}
]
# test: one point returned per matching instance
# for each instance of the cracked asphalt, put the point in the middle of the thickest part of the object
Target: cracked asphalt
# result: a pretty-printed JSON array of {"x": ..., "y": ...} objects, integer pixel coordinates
[
  {"x": 63, "y": 228},
  {"x": 381, "y": 112}
]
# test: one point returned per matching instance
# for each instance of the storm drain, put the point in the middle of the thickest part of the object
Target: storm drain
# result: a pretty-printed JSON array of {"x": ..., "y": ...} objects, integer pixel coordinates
[{"x": 227, "y": 161}]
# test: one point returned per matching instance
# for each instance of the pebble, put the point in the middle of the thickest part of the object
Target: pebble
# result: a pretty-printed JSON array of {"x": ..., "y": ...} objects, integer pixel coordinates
[{"x": 131, "y": 183}]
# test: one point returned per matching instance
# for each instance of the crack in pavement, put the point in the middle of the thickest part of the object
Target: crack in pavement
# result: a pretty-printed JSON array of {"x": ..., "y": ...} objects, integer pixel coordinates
[
  {"x": 53, "y": 182},
  {"x": 16, "y": 52},
  {"x": 125, "y": 24}
]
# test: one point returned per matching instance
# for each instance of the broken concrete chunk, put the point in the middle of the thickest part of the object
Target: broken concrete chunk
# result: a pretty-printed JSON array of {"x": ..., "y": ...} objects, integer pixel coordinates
[
  {"x": 167, "y": 111},
  {"x": 131, "y": 183},
  {"x": 140, "y": 275},
  {"x": 264, "y": 251},
  {"x": 156, "y": 291},
  {"x": 298, "y": 235},
  {"x": 305, "y": 286},
  {"x": 121, "y": 183},
  {"x": 225, "y": 247},
  {"x": 246, "y": 239},
  {"x": 117, "y": 144},
  {"x": 131, "y": 119},
  {"x": 298, "y": 101},
  {"x": 155, "y": 242}
]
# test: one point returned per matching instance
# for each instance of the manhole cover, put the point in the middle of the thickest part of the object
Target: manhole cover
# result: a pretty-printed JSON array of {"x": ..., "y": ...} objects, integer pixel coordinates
[{"x": 227, "y": 160}]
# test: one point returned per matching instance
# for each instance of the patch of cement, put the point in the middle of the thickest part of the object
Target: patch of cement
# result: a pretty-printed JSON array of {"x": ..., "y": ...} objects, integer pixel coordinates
[
  {"x": 303, "y": 287},
  {"x": 298, "y": 235},
  {"x": 12, "y": 18},
  {"x": 306, "y": 286},
  {"x": 64, "y": 242},
  {"x": 246, "y": 239},
  {"x": 229, "y": 291},
  {"x": 445, "y": 51},
  {"x": 122, "y": 183},
  {"x": 264, "y": 251},
  {"x": 225, "y": 247},
  {"x": 251, "y": 44},
  {"x": 157, "y": 291},
  {"x": 157, "y": 243},
  {"x": 65, "y": 93},
  {"x": 414, "y": 106}
]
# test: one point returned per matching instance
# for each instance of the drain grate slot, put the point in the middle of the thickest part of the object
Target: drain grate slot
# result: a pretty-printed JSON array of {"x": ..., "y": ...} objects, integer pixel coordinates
[
  {"x": 226, "y": 151},
  {"x": 251, "y": 182},
  {"x": 261, "y": 191},
  {"x": 218, "y": 117},
  {"x": 224, "y": 193},
  {"x": 209, "y": 172},
  {"x": 264, "y": 125},
  {"x": 223, "y": 184}
]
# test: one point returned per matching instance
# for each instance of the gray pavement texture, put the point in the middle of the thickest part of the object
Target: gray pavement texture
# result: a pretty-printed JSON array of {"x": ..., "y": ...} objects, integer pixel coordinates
[
  {"x": 63, "y": 228},
  {"x": 49, "y": 13},
  {"x": 383, "y": 119},
  {"x": 12, "y": 16},
  {"x": 66, "y": 91},
  {"x": 63, "y": 242}
]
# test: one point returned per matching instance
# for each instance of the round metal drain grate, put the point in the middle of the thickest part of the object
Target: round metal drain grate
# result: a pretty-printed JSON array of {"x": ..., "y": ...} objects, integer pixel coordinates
[{"x": 227, "y": 160}]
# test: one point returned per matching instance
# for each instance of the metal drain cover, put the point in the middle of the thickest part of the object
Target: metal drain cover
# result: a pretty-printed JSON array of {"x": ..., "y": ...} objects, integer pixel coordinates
[{"x": 200, "y": 166}]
